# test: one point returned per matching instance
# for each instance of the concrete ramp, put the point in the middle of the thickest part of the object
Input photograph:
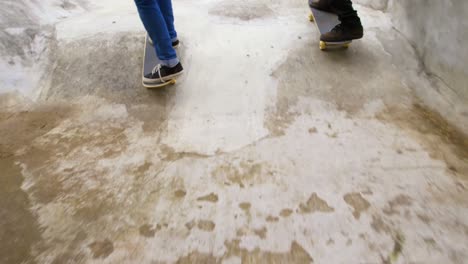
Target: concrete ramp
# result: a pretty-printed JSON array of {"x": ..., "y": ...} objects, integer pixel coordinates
[{"x": 268, "y": 150}]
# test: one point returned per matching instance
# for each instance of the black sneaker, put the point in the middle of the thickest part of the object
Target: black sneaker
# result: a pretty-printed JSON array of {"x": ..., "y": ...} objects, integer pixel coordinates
[
  {"x": 175, "y": 44},
  {"x": 343, "y": 32},
  {"x": 323, "y": 5},
  {"x": 162, "y": 74}
]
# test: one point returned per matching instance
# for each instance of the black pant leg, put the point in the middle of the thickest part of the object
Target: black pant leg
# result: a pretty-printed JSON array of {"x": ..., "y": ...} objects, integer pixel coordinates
[{"x": 345, "y": 11}]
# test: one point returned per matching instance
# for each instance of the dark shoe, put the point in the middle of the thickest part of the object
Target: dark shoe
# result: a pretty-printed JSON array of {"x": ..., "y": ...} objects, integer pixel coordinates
[
  {"x": 175, "y": 44},
  {"x": 162, "y": 74},
  {"x": 343, "y": 32},
  {"x": 323, "y": 5}
]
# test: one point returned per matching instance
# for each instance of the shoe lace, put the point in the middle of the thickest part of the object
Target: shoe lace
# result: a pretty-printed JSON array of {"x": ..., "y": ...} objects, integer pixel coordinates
[
  {"x": 338, "y": 28},
  {"x": 157, "y": 69}
]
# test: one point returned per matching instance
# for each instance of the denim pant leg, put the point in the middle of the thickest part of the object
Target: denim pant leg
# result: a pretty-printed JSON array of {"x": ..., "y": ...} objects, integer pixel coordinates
[
  {"x": 168, "y": 14},
  {"x": 155, "y": 25}
]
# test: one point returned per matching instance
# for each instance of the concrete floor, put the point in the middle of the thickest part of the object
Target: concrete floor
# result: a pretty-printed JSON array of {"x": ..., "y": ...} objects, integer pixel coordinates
[{"x": 268, "y": 150}]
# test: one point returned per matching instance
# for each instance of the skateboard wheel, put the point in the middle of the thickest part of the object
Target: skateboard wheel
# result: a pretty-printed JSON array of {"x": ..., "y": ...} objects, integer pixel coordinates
[
  {"x": 311, "y": 18},
  {"x": 346, "y": 46},
  {"x": 323, "y": 45}
]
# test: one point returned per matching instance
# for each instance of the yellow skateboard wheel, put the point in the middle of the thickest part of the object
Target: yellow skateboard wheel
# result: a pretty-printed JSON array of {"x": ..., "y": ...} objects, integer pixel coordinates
[{"x": 323, "y": 45}]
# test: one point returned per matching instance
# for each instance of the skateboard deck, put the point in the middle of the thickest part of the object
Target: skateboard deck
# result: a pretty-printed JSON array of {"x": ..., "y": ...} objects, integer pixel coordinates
[
  {"x": 150, "y": 59},
  {"x": 325, "y": 23}
]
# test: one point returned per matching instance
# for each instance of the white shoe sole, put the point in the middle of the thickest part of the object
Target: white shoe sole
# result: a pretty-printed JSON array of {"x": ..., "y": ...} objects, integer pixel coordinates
[{"x": 165, "y": 79}]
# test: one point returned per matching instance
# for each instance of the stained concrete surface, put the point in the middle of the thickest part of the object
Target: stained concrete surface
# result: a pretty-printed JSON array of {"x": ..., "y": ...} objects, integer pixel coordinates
[{"x": 267, "y": 151}]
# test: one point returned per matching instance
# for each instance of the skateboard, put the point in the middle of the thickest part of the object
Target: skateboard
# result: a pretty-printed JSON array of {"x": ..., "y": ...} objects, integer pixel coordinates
[
  {"x": 150, "y": 59},
  {"x": 325, "y": 23}
]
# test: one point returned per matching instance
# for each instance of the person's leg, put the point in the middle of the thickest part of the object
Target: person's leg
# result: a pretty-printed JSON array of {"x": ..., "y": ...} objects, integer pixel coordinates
[
  {"x": 168, "y": 14},
  {"x": 350, "y": 27},
  {"x": 323, "y": 5},
  {"x": 154, "y": 22},
  {"x": 345, "y": 11}
]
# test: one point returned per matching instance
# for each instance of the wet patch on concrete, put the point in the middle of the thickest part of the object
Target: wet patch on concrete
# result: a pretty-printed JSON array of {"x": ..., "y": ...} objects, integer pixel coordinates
[
  {"x": 180, "y": 193},
  {"x": 430, "y": 241},
  {"x": 199, "y": 258},
  {"x": 170, "y": 154},
  {"x": 261, "y": 232},
  {"x": 358, "y": 203},
  {"x": 315, "y": 204},
  {"x": 286, "y": 212},
  {"x": 154, "y": 186},
  {"x": 245, "y": 207},
  {"x": 441, "y": 139},
  {"x": 73, "y": 253},
  {"x": 379, "y": 225},
  {"x": 20, "y": 228},
  {"x": 242, "y": 10},
  {"x": 399, "y": 241},
  {"x": 332, "y": 135},
  {"x": 206, "y": 225},
  {"x": 49, "y": 186},
  {"x": 424, "y": 218},
  {"x": 143, "y": 168},
  {"x": 318, "y": 81},
  {"x": 212, "y": 198},
  {"x": 272, "y": 219},
  {"x": 241, "y": 232},
  {"x": 245, "y": 174},
  {"x": 149, "y": 230},
  {"x": 101, "y": 249},
  {"x": 296, "y": 255},
  {"x": 279, "y": 119},
  {"x": 44, "y": 145},
  {"x": 396, "y": 203},
  {"x": 190, "y": 225}
]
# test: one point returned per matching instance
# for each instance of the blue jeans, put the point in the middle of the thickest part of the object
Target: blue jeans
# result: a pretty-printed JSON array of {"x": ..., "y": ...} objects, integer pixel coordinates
[{"x": 158, "y": 19}]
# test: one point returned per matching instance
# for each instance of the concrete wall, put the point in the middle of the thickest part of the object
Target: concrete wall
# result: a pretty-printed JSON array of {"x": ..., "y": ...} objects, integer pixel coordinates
[{"x": 438, "y": 31}]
